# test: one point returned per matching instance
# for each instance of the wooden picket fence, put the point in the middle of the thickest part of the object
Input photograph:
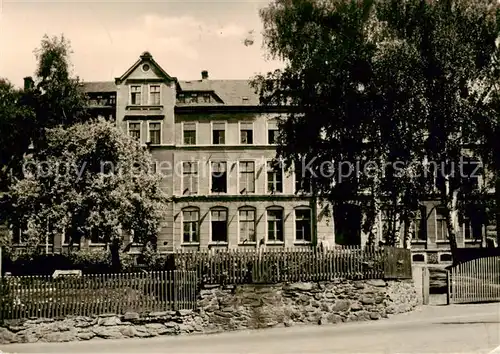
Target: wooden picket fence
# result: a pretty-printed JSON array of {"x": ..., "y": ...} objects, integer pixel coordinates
[
  {"x": 477, "y": 280},
  {"x": 97, "y": 294},
  {"x": 268, "y": 265}
]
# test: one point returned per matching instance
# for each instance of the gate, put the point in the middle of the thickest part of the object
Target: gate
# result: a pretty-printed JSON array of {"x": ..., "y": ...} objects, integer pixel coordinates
[{"x": 477, "y": 280}]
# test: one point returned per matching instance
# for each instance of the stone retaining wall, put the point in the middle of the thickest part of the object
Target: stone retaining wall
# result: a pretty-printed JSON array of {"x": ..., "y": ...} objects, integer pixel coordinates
[{"x": 233, "y": 308}]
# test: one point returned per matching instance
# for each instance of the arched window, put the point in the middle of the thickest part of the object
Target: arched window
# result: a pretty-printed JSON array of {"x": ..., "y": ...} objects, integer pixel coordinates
[
  {"x": 246, "y": 225},
  {"x": 303, "y": 226},
  {"x": 190, "y": 225},
  {"x": 218, "y": 224},
  {"x": 275, "y": 224}
]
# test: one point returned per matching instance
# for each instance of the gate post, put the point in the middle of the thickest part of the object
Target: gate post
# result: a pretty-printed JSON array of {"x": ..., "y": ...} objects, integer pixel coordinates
[{"x": 425, "y": 285}]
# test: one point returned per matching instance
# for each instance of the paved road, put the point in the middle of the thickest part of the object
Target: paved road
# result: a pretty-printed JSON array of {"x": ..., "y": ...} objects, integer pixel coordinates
[{"x": 432, "y": 329}]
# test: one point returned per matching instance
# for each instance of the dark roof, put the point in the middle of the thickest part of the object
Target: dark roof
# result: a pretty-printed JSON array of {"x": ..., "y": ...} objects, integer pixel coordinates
[
  {"x": 231, "y": 92},
  {"x": 99, "y": 86}
]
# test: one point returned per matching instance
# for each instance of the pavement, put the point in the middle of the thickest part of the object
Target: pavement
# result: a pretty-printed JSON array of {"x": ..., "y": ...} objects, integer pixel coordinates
[{"x": 429, "y": 329}]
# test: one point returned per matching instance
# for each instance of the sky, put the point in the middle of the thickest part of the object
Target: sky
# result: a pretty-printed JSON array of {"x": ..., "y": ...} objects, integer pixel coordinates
[{"x": 107, "y": 37}]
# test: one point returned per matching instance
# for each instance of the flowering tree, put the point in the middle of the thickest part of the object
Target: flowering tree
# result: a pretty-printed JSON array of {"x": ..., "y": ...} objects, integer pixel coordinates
[{"x": 90, "y": 180}]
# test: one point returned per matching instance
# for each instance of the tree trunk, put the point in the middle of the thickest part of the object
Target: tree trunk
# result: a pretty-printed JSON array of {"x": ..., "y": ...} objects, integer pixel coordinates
[
  {"x": 116, "y": 265},
  {"x": 452, "y": 224},
  {"x": 409, "y": 231}
]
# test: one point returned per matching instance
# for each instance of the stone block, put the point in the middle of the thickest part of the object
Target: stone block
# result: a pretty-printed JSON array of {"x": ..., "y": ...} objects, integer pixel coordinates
[
  {"x": 376, "y": 282},
  {"x": 341, "y": 306},
  {"x": 300, "y": 286},
  {"x": 130, "y": 316},
  {"x": 85, "y": 335}
]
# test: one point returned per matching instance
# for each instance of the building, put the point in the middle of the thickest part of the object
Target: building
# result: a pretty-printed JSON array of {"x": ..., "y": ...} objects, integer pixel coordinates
[{"x": 213, "y": 144}]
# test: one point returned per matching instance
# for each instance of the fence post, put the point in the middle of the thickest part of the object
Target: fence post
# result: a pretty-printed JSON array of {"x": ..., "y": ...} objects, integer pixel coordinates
[
  {"x": 448, "y": 287},
  {"x": 174, "y": 288}
]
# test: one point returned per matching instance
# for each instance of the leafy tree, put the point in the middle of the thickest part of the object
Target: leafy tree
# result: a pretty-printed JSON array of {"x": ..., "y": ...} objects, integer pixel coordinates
[
  {"x": 16, "y": 122},
  {"x": 57, "y": 97},
  {"x": 89, "y": 180},
  {"x": 456, "y": 41},
  {"x": 387, "y": 83},
  {"x": 350, "y": 90}
]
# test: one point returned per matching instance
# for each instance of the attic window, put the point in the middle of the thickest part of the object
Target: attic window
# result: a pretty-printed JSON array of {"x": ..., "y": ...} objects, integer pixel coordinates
[{"x": 145, "y": 67}]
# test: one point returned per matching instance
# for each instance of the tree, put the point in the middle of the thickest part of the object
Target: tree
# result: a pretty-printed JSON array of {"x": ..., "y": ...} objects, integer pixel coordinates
[
  {"x": 57, "y": 97},
  {"x": 90, "y": 180},
  {"x": 16, "y": 122},
  {"x": 349, "y": 90},
  {"x": 387, "y": 83},
  {"x": 456, "y": 41}
]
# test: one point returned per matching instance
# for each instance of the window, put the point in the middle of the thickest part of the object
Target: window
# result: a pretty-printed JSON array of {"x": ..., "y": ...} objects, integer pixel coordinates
[
  {"x": 418, "y": 258},
  {"x": 272, "y": 133},
  {"x": 247, "y": 177},
  {"x": 218, "y": 133},
  {"x": 154, "y": 95},
  {"x": 194, "y": 98},
  {"x": 275, "y": 225},
  {"x": 467, "y": 229},
  {"x": 190, "y": 177},
  {"x": 274, "y": 178},
  {"x": 219, "y": 225},
  {"x": 112, "y": 100},
  {"x": 303, "y": 225},
  {"x": 66, "y": 237},
  {"x": 51, "y": 235},
  {"x": 190, "y": 222},
  {"x": 441, "y": 231},
  {"x": 135, "y": 95},
  {"x": 95, "y": 237},
  {"x": 181, "y": 98},
  {"x": 420, "y": 231},
  {"x": 155, "y": 133},
  {"x": 189, "y": 132},
  {"x": 472, "y": 170},
  {"x": 246, "y": 133},
  {"x": 206, "y": 97},
  {"x": 19, "y": 235},
  {"x": 247, "y": 225},
  {"x": 134, "y": 130},
  {"x": 219, "y": 177},
  {"x": 302, "y": 178},
  {"x": 388, "y": 221}
]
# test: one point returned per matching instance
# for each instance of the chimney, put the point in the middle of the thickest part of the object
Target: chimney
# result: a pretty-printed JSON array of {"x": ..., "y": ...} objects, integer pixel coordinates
[
  {"x": 28, "y": 83},
  {"x": 204, "y": 75}
]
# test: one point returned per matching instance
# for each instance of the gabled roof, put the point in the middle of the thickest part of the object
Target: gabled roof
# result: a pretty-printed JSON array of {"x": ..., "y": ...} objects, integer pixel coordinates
[
  {"x": 230, "y": 92},
  {"x": 145, "y": 57}
]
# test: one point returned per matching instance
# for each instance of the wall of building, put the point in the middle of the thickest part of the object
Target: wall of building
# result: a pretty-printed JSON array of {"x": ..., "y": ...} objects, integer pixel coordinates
[{"x": 324, "y": 225}]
